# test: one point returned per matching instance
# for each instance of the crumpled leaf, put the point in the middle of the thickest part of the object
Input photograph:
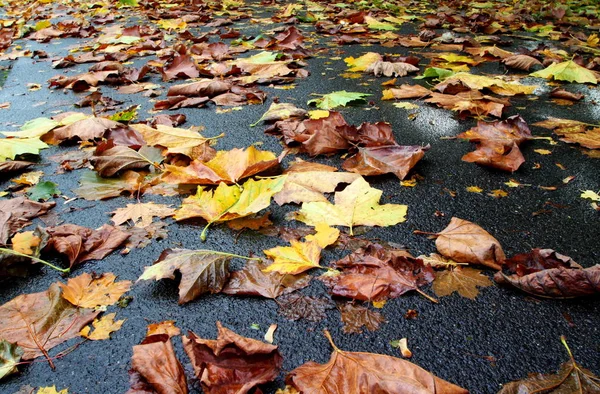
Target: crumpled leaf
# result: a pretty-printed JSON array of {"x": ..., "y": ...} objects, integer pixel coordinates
[
  {"x": 546, "y": 273},
  {"x": 567, "y": 71},
  {"x": 175, "y": 140},
  {"x": 463, "y": 280},
  {"x": 141, "y": 214},
  {"x": 354, "y": 372},
  {"x": 375, "y": 273},
  {"x": 103, "y": 327},
  {"x": 280, "y": 111},
  {"x": 356, "y": 205},
  {"x": 229, "y": 202},
  {"x": 389, "y": 69},
  {"x": 40, "y": 321},
  {"x": 466, "y": 242},
  {"x": 227, "y": 166},
  {"x": 252, "y": 280},
  {"x": 202, "y": 271},
  {"x": 14, "y": 166},
  {"x": 362, "y": 63},
  {"x": 308, "y": 182},
  {"x": 502, "y": 157},
  {"x": 337, "y": 99},
  {"x": 10, "y": 356},
  {"x": 378, "y": 160},
  {"x": 570, "y": 378},
  {"x": 92, "y": 292},
  {"x": 406, "y": 92},
  {"x": 109, "y": 159},
  {"x": 17, "y": 213},
  {"x": 297, "y": 306},
  {"x": 157, "y": 367},
  {"x": 85, "y": 129},
  {"x": 521, "y": 62},
  {"x": 166, "y": 327},
  {"x": 355, "y": 317},
  {"x": 81, "y": 244},
  {"x": 12, "y": 147},
  {"x": 232, "y": 363}
]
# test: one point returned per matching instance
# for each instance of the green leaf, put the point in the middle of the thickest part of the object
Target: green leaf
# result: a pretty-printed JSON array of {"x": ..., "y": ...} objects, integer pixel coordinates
[
  {"x": 280, "y": 111},
  {"x": 128, "y": 3},
  {"x": 10, "y": 355},
  {"x": 337, "y": 99},
  {"x": 261, "y": 58},
  {"x": 34, "y": 128},
  {"x": 436, "y": 72},
  {"x": 375, "y": 24},
  {"x": 127, "y": 115},
  {"x": 43, "y": 191},
  {"x": 12, "y": 147},
  {"x": 567, "y": 71}
]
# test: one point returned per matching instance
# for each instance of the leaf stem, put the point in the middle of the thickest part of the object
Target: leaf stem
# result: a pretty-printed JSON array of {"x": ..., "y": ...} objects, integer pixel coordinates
[
  {"x": 423, "y": 232},
  {"x": 328, "y": 336},
  {"x": 10, "y": 251},
  {"x": 430, "y": 298}
]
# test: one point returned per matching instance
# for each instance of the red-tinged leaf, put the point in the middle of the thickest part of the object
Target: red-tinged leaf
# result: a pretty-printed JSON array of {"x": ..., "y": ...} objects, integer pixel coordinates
[
  {"x": 546, "y": 273},
  {"x": 296, "y": 306},
  {"x": 358, "y": 372},
  {"x": 81, "y": 244},
  {"x": 40, "y": 321},
  {"x": 182, "y": 66},
  {"x": 253, "y": 281},
  {"x": 202, "y": 88},
  {"x": 406, "y": 92},
  {"x": 376, "y": 273},
  {"x": 85, "y": 130},
  {"x": 505, "y": 132},
  {"x": 379, "y": 160},
  {"x": 521, "y": 62},
  {"x": 158, "y": 367},
  {"x": 109, "y": 159},
  {"x": 17, "y": 213},
  {"x": 502, "y": 157},
  {"x": 357, "y": 317},
  {"x": 232, "y": 363},
  {"x": 565, "y": 95}
]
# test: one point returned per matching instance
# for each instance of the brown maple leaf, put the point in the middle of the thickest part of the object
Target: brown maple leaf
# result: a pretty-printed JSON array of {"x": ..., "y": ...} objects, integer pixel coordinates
[
  {"x": 355, "y": 317},
  {"x": 297, "y": 306},
  {"x": 16, "y": 213},
  {"x": 378, "y": 160}
]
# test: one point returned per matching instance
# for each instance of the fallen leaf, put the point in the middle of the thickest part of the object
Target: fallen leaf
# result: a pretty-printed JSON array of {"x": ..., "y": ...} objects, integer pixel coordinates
[
  {"x": 141, "y": 214},
  {"x": 464, "y": 81},
  {"x": 357, "y": 204},
  {"x": 110, "y": 159},
  {"x": 339, "y": 98},
  {"x": 40, "y": 321},
  {"x": 103, "y": 327},
  {"x": 10, "y": 356},
  {"x": 94, "y": 187},
  {"x": 202, "y": 271},
  {"x": 175, "y": 140},
  {"x": 16, "y": 213},
  {"x": 474, "y": 189},
  {"x": 232, "y": 363},
  {"x": 13, "y": 147},
  {"x": 295, "y": 259},
  {"x": 280, "y": 111},
  {"x": 390, "y": 69},
  {"x": 43, "y": 191},
  {"x": 366, "y": 372},
  {"x": 362, "y": 63},
  {"x": 166, "y": 327},
  {"x": 355, "y": 317},
  {"x": 590, "y": 194},
  {"x": 378, "y": 160},
  {"x": 51, "y": 390},
  {"x": 156, "y": 367},
  {"x": 521, "y": 62},
  {"x": 546, "y": 273},
  {"x": 296, "y": 306},
  {"x": 14, "y": 166},
  {"x": 463, "y": 280},
  {"x": 567, "y": 71},
  {"x": 92, "y": 292},
  {"x": 25, "y": 242}
]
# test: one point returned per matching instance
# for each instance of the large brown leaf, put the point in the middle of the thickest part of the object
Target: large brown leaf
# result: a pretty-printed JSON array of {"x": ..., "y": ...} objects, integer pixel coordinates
[
  {"x": 232, "y": 364},
  {"x": 253, "y": 281},
  {"x": 40, "y": 321},
  {"x": 379, "y": 160},
  {"x": 202, "y": 88},
  {"x": 502, "y": 157},
  {"x": 355, "y": 317},
  {"x": 17, "y": 213},
  {"x": 156, "y": 363},
  {"x": 466, "y": 242},
  {"x": 14, "y": 166},
  {"x": 202, "y": 271},
  {"x": 545, "y": 273},
  {"x": 82, "y": 244},
  {"x": 109, "y": 159},
  {"x": 376, "y": 273},
  {"x": 463, "y": 280},
  {"x": 86, "y": 129},
  {"x": 358, "y": 372}
]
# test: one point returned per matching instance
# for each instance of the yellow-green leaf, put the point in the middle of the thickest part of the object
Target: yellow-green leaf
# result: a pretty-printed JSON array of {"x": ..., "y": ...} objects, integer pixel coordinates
[{"x": 567, "y": 71}]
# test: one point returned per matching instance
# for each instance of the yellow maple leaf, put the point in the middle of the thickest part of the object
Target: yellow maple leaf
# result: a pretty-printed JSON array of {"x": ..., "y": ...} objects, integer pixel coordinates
[
  {"x": 361, "y": 63},
  {"x": 294, "y": 259},
  {"x": 103, "y": 327},
  {"x": 357, "y": 204},
  {"x": 324, "y": 236},
  {"x": 25, "y": 242},
  {"x": 88, "y": 292},
  {"x": 51, "y": 390},
  {"x": 464, "y": 280},
  {"x": 174, "y": 139},
  {"x": 141, "y": 214},
  {"x": 474, "y": 189}
]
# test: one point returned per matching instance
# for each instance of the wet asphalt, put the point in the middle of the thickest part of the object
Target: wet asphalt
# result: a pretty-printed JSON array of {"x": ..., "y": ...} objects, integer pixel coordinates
[{"x": 479, "y": 344}]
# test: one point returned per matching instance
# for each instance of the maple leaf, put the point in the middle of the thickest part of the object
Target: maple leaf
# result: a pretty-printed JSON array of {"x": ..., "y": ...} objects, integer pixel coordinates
[
  {"x": 295, "y": 259},
  {"x": 253, "y": 280},
  {"x": 337, "y": 99},
  {"x": 570, "y": 378},
  {"x": 297, "y": 306},
  {"x": 82, "y": 244},
  {"x": 229, "y": 202},
  {"x": 43, "y": 191},
  {"x": 51, "y": 390},
  {"x": 588, "y": 139},
  {"x": 175, "y": 140},
  {"x": 362, "y": 63},
  {"x": 109, "y": 159},
  {"x": 14, "y": 166},
  {"x": 378, "y": 160},
  {"x": 567, "y": 71},
  {"x": 545, "y": 273},
  {"x": 280, "y": 111},
  {"x": 202, "y": 271},
  {"x": 25, "y": 242},
  {"x": 356, "y": 205},
  {"x": 141, "y": 214},
  {"x": 375, "y": 24},
  {"x": 227, "y": 166},
  {"x": 94, "y": 187},
  {"x": 232, "y": 363},
  {"x": 17, "y": 213},
  {"x": 463, "y": 280},
  {"x": 466, "y": 242},
  {"x": 103, "y": 327},
  {"x": 40, "y": 321},
  {"x": 464, "y": 81},
  {"x": 10, "y": 355},
  {"x": 166, "y": 327},
  {"x": 502, "y": 157},
  {"x": 92, "y": 292},
  {"x": 85, "y": 129},
  {"x": 155, "y": 367},
  {"x": 521, "y": 62},
  {"x": 406, "y": 92},
  {"x": 505, "y": 132},
  {"x": 12, "y": 147},
  {"x": 389, "y": 69},
  {"x": 355, "y": 317},
  {"x": 366, "y": 372}
]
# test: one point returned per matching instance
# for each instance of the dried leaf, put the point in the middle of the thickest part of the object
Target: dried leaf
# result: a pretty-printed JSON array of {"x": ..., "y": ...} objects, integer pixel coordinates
[
  {"x": 103, "y": 327},
  {"x": 295, "y": 259},
  {"x": 92, "y": 292},
  {"x": 25, "y": 242},
  {"x": 355, "y": 317},
  {"x": 10, "y": 356},
  {"x": 175, "y": 140},
  {"x": 464, "y": 280},
  {"x": 108, "y": 160},
  {"x": 17, "y": 213},
  {"x": 390, "y": 69},
  {"x": 232, "y": 363},
  {"x": 141, "y": 214},
  {"x": 166, "y": 327},
  {"x": 567, "y": 71},
  {"x": 521, "y": 62},
  {"x": 379, "y": 160},
  {"x": 297, "y": 306}
]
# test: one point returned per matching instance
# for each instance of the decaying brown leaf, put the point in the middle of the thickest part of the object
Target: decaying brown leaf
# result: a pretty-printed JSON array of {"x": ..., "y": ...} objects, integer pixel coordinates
[
  {"x": 378, "y": 160},
  {"x": 17, "y": 213},
  {"x": 463, "y": 280},
  {"x": 355, "y": 317},
  {"x": 92, "y": 292},
  {"x": 232, "y": 363},
  {"x": 141, "y": 214},
  {"x": 297, "y": 306}
]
